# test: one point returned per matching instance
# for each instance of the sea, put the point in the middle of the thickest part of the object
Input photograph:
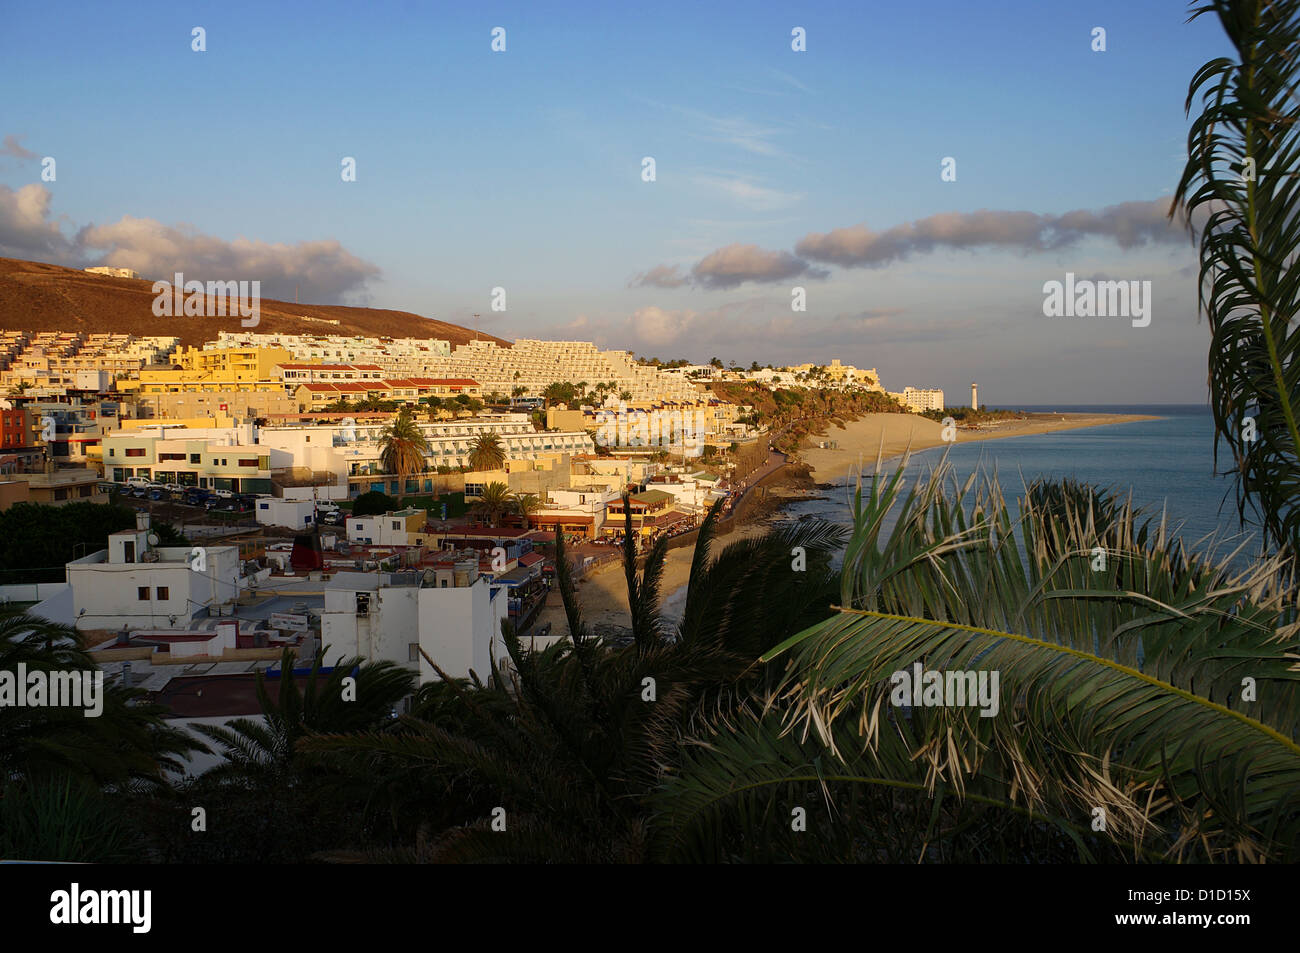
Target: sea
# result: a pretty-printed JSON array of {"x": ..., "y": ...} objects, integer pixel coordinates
[{"x": 1167, "y": 464}]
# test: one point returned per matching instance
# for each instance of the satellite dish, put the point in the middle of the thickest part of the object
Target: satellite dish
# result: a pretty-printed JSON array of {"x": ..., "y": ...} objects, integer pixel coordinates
[{"x": 153, "y": 539}]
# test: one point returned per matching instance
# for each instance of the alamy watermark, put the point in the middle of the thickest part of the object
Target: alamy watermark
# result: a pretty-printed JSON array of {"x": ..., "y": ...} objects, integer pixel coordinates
[
  {"x": 684, "y": 431},
  {"x": 215, "y": 299},
  {"x": 953, "y": 689},
  {"x": 1086, "y": 298},
  {"x": 52, "y": 689},
  {"x": 74, "y": 906}
]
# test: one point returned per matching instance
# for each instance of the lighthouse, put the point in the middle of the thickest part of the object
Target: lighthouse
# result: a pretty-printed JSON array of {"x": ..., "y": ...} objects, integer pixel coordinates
[{"x": 974, "y": 400}]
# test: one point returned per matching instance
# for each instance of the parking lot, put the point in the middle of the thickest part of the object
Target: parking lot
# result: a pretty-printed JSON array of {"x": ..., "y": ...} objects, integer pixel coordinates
[
  {"x": 191, "y": 508},
  {"x": 188, "y": 504}
]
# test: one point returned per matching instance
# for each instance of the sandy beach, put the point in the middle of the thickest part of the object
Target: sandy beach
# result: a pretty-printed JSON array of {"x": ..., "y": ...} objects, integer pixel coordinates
[
  {"x": 892, "y": 434},
  {"x": 604, "y": 592}
]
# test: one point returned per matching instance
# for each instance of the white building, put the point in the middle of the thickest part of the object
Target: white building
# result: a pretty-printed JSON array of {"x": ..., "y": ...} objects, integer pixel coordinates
[
  {"x": 353, "y": 449},
  {"x": 387, "y": 529},
  {"x": 691, "y": 492},
  {"x": 295, "y": 514},
  {"x": 920, "y": 400},
  {"x": 113, "y": 272},
  {"x": 453, "y": 614},
  {"x": 139, "y": 584}
]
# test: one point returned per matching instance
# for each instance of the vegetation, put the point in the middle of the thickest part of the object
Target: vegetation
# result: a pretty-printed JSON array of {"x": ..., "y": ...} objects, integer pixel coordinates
[
  {"x": 373, "y": 503},
  {"x": 493, "y": 503},
  {"x": 487, "y": 453},
  {"x": 564, "y": 739},
  {"x": 1239, "y": 186},
  {"x": 966, "y": 416},
  {"x": 38, "y": 540},
  {"x": 402, "y": 448},
  {"x": 526, "y": 505}
]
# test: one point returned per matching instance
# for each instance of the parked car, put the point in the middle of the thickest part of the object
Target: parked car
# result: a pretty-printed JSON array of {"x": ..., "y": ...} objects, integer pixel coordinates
[
  {"x": 156, "y": 493},
  {"x": 223, "y": 494},
  {"x": 140, "y": 492},
  {"x": 196, "y": 497},
  {"x": 137, "y": 481},
  {"x": 174, "y": 488}
]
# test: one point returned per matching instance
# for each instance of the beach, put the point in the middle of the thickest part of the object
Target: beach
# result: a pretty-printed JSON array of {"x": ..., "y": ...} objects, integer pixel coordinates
[
  {"x": 604, "y": 592},
  {"x": 890, "y": 435}
]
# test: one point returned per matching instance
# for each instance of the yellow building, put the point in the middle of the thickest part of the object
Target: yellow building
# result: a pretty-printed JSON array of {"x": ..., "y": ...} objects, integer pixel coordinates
[
  {"x": 235, "y": 363},
  {"x": 228, "y": 369}
]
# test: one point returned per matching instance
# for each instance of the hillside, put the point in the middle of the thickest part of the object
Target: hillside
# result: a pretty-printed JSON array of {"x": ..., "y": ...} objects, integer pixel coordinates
[{"x": 35, "y": 296}]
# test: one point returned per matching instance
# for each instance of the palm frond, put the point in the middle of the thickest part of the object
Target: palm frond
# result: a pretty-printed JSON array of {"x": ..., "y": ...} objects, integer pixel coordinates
[{"x": 1241, "y": 179}]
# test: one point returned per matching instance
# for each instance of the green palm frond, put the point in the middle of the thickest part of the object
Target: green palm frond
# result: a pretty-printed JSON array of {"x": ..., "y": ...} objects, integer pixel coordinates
[
  {"x": 1241, "y": 179},
  {"x": 743, "y": 779},
  {"x": 1151, "y": 684}
]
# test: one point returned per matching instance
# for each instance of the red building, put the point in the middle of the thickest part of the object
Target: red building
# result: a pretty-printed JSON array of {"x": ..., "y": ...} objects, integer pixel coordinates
[{"x": 15, "y": 429}]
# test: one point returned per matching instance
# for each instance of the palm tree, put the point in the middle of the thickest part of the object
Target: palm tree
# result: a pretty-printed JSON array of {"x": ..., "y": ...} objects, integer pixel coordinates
[
  {"x": 402, "y": 448},
  {"x": 1117, "y": 696},
  {"x": 559, "y": 392},
  {"x": 1239, "y": 185},
  {"x": 487, "y": 453},
  {"x": 128, "y": 741},
  {"x": 526, "y": 504},
  {"x": 493, "y": 502},
  {"x": 267, "y": 746},
  {"x": 566, "y": 739},
  {"x": 270, "y": 801}
]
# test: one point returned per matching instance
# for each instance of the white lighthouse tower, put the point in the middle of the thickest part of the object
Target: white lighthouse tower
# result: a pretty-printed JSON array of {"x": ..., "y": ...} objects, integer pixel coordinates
[{"x": 974, "y": 400}]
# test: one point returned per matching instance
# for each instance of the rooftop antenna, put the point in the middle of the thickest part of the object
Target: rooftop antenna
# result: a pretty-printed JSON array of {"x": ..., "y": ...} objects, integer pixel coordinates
[{"x": 476, "y": 327}]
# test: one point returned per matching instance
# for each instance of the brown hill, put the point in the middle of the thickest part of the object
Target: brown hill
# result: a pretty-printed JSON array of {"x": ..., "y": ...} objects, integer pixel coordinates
[{"x": 35, "y": 296}]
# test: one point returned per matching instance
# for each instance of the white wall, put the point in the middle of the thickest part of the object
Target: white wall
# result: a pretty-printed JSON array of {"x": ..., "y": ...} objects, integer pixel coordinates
[
  {"x": 460, "y": 628},
  {"x": 457, "y": 627},
  {"x": 295, "y": 514},
  {"x": 108, "y": 592}
]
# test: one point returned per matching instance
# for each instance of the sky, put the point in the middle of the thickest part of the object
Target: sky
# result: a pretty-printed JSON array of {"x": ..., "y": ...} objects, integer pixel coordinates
[{"x": 523, "y": 169}]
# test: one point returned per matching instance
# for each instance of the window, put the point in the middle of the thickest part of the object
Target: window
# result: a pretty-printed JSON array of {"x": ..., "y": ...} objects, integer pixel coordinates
[
  {"x": 397, "y": 524},
  {"x": 135, "y": 451},
  {"x": 247, "y": 462},
  {"x": 60, "y": 494},
  {"x": 142, "y": 593},
  {"x": 85, "y": 491},
  {"x": 196, "y": 458},
  {"x": 161, "y": 593},
  {"x": 112, "y": 452}
]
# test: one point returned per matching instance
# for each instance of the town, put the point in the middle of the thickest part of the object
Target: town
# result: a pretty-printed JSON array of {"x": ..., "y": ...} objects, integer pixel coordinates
[{"x": 340, "y": 497}]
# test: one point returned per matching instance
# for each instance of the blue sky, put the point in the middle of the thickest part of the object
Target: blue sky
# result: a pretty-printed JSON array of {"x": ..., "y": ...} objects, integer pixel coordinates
[{"x": 522, "y": 169}]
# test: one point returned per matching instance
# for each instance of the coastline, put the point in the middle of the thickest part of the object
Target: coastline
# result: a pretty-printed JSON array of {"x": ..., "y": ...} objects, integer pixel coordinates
[
  {"x": 891, "y": 435},
  {"x": 604, "y": 592}
]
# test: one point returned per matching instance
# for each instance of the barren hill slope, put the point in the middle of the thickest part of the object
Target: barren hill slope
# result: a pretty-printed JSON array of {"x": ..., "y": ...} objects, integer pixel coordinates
[{"x": 35, "y": 296}]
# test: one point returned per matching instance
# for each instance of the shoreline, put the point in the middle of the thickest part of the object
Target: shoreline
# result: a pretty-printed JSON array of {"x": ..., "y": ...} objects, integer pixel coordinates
[
  {"x": 603, "y": 593},
  {"x": 892, "y": 435}
]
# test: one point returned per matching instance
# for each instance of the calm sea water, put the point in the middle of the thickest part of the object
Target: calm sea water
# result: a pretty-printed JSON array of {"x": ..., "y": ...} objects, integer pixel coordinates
[{"x": 1166, "y": 463}]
